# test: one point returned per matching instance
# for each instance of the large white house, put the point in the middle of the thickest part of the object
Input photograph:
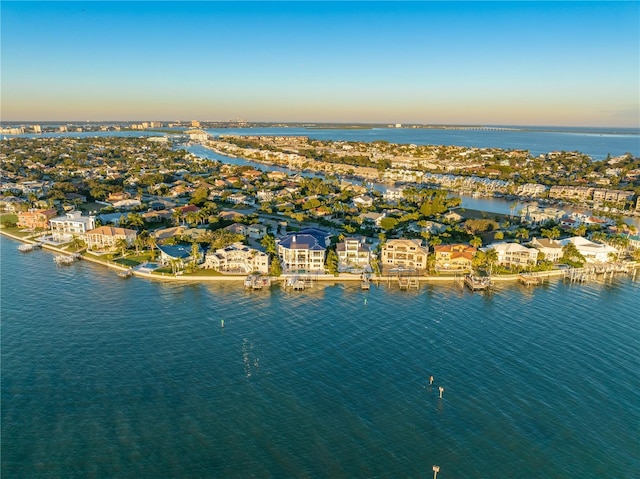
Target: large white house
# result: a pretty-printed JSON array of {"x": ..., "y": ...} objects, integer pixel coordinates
[
  {"x": 514, "y": 254},
  {"x": 353, "y": 253},
  {"x": 592, "y": 252},
  {"x": 551, "y": 249},
  {"x": 237, "y": 258},
  {"x": 64, "y": 228},
  {"x": 304, "y": 250}
]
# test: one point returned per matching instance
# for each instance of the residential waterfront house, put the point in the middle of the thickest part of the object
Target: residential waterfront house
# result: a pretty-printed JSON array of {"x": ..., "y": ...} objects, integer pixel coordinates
[
  {"x": 514, "y": 254},
  {"x": 237, "y": 258},
  {"x": 353, "y": 253},
  {"x": 35, "y": 218},
  {"x": 592, "y": 252},
  {"x": 551, "y": 249},
  {"x": 105, "y": 237},
  {"x": 404, "y": 253},
  {"x": 454, "y": 257},
  {"x": 178, "y": 253},
  {"x": 64, "y": 228},
  {"x": 534, "y": 215},
  {"x": 303, "y": 251}
]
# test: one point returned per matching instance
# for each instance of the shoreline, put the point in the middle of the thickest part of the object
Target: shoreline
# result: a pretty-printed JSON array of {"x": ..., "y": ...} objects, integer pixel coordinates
[{"x": 325, "y": 278}]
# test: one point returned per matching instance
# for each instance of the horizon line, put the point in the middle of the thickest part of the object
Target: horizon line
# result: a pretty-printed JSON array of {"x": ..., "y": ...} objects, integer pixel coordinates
[{"x": 637, "y": 127}]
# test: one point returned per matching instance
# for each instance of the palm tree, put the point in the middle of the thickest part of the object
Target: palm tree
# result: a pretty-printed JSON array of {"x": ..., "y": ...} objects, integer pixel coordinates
[
  {"x": 77, "y": 243},
  {"x": 580, "y": 230},
  {"x": 195, "y": 253},
  {"x": 522, "y": 233},
  {"x": 139, "y": 243},
  {"x": 435, "y": 241},
  {"x": 151, "y": 243},
  {"x": 175, "y": 265},
  {"x": 490, "y": 258},
  {"x": 121, "y": 245},
  {"x": 136, "y": 220},
  {"x": 176, "y": 215},
  {"x": 571, "y": 254},
  {"x": 476, "y": 242}
]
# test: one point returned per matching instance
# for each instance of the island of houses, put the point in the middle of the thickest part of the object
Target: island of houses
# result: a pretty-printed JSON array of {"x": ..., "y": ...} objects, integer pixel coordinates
[{"x": 142, "y": 203}]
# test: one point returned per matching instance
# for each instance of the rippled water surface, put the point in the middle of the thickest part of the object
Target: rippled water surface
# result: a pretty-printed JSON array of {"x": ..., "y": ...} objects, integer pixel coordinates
[{"x": 104, "y": 377}]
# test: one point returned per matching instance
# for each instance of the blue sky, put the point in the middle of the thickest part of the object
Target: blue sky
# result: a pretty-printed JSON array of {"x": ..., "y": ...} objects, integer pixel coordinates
[{"x": 525, "y": 63}]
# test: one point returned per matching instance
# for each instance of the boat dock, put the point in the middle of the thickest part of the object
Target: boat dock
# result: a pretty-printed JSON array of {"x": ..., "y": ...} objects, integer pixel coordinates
[
  {"x": 27, "y": 248},
  {"x": 529, "y": 279},
  {"x": 406, "y": 283},
  {"x": 126, "y": 274},
  {"x": 477, "y": 283},
  {"x": 256, "y": 281},
  {"x": 63, "y": 259}
]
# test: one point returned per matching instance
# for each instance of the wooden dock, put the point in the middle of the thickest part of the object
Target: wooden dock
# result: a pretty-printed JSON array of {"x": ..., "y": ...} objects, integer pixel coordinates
[
  {"x": 27, "y": 248},
  {"x": 257, "y": 281},
  {"x": 477, "y": 283},
  {"x": 530, "y": 279}
]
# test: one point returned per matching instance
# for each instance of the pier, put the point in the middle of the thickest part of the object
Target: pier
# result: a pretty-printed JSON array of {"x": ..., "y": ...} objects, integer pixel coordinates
[
  {"x": 27, "y": 248},
  {"x": 477, "y": 283},
  {"x": 530, "y": 279},
  {"x": 62, "y": 259},
  {"x": 257, "y": 281}
]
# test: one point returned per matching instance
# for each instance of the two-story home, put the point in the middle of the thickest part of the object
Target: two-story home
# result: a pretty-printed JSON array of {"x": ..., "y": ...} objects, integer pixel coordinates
[
  {"x": 551, "y": 249},
  {"x": 178, "y": 253},
  {"x": 404, "y": 253},
  {"x": 64, "y": 228},
  {"x": 237, "y": 258},
  {"x": 513, "y": 254},
  {"x": 35, "y": 219},
  {"x": 105, "y": 238},
  {"x": 454, "y": 257},
  {"x": 353, "y": 254}
]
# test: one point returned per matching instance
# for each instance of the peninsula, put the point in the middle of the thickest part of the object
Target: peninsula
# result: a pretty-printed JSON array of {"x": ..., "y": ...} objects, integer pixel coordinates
[{"x": 149, "y": 205}]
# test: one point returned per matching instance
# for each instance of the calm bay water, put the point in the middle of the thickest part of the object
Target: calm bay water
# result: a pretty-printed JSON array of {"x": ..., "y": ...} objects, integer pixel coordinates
[
  {"x": 594, "y": 142},
  {"x": 103, "y": 377}
]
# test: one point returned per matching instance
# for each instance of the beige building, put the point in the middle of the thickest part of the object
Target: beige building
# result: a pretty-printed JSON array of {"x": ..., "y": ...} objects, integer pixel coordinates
[
  {"x": 551, "y": 249},
  {"x": 454, "y": 257},
  {"x": 404, "y": 253},
  {"x": 33, "y": 219},
  {"x": 105, "y": 237}
]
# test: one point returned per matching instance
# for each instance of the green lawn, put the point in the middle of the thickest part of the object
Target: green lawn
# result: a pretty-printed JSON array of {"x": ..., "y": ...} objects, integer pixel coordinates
[{"x": 203, "y": 272}]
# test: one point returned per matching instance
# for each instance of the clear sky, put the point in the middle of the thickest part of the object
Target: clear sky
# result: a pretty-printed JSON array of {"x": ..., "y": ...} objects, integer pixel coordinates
[{"x": 518, "y": 63}]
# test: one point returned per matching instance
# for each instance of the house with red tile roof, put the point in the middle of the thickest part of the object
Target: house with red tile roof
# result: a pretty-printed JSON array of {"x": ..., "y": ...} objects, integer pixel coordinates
[{"x": 454, "y": 257}]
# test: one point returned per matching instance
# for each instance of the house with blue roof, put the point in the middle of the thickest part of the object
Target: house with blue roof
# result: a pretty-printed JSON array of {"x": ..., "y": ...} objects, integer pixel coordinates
[
  {"x": 180, "y": 253},
  {"x": 304, "y": 251}
]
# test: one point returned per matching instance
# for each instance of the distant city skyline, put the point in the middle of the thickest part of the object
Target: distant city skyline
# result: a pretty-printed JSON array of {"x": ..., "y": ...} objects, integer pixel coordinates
[{"x": 494, "y": 63}]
